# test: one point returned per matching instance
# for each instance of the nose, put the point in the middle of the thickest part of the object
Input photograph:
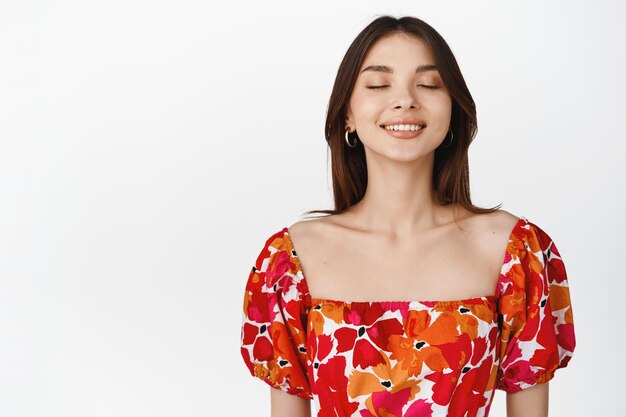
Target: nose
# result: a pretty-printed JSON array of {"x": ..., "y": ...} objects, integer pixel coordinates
[{"x": 405, "y": 99}]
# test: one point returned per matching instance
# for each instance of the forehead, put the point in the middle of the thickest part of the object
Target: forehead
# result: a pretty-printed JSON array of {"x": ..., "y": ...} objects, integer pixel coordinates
[{"x": 398, "y": 52}]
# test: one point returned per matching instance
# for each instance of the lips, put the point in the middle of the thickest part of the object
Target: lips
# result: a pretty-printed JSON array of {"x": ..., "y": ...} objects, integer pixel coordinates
[{"x": 403, "y": 121}]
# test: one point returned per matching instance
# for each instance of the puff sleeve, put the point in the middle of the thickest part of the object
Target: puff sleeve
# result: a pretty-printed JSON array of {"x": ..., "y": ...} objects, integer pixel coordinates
[
  {"x": 273, "y": 327},
  {"x": 535, "y": 310}
]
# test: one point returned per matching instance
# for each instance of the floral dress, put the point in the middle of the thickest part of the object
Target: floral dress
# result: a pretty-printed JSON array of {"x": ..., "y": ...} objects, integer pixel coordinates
[{"x": 409, "y": 358}]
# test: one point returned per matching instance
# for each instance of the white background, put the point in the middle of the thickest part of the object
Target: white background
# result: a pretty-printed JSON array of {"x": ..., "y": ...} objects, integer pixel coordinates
[{"x": 148, "y": 149}]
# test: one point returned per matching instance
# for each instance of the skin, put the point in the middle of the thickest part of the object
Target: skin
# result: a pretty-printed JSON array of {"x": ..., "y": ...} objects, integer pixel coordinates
[
  {"x": 399, "y": 200},
  {"x": 531, "y": 402},
  {"x": 287, "y": 405}
]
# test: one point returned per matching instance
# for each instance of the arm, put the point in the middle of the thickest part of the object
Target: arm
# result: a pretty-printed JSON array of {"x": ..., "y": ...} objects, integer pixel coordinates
[
  {"x": 531, "y": 402},
  {"x": 288, "y": 405}
]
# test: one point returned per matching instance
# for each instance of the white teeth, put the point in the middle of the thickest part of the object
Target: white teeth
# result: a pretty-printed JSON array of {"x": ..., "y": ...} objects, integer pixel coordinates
[{"x": 404, "y": 127}]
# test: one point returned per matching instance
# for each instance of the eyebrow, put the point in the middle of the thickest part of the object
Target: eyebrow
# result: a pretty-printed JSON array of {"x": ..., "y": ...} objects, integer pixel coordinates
[{"x": 389, "y": 70}]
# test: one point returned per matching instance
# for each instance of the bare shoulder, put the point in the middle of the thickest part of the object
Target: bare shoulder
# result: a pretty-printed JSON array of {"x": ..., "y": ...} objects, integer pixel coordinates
[
  {"x": 497, "y": 223},
  {"x": 488, "y": 238},
  {"x": 310, "y": 230},
  {"x": 306, "y": 227},
  {"x": 490, "y": 235},
  {"x": 319, "y": 237}
]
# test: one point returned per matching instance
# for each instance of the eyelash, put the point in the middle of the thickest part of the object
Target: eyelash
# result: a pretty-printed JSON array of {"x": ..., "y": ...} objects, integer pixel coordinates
[{"x": 375, "y": 87}]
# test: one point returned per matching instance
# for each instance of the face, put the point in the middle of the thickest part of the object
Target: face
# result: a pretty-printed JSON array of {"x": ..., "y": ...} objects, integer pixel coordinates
[{"x": 403, "y": 93}]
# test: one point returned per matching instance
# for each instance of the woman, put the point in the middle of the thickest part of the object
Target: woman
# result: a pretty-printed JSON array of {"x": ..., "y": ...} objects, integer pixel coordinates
[{"x": 414, "y": 301}]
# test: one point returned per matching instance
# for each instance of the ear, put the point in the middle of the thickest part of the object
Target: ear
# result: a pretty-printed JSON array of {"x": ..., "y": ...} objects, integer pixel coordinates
[{"x": 349, "y": 122}]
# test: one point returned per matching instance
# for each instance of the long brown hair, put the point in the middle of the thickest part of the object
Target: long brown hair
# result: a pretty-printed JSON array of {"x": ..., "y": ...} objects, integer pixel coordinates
[{"x": 451, "y": 168}]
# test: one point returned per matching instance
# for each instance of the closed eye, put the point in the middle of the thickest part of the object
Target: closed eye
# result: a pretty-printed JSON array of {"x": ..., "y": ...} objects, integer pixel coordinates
[{"x": 373, "y": 87}]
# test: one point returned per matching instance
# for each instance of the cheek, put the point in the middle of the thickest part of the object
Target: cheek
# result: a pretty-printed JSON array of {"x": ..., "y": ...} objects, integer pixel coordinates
[
  {"x": 445, "y": 101},
  {"x": 366, "y": 111},
  {"x": 440, "y": 107}
]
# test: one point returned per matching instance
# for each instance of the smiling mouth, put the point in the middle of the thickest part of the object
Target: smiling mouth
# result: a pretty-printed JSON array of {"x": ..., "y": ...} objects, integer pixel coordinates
[{"x": 404, "y": 127}]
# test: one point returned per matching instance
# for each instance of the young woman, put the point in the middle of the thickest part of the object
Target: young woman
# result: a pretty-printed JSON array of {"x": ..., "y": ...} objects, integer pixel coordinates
[{"x": 406, "y": 299}]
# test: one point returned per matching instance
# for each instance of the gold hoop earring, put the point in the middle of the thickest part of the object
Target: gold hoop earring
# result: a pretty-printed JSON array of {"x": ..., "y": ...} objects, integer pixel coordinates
[
  {"x": 348, "y": 140},
  {"x": 450, "y": 142}
]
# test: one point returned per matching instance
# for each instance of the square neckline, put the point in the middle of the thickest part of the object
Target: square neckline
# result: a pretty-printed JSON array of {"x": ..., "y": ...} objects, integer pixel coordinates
[{"x": 490, "y": 299}]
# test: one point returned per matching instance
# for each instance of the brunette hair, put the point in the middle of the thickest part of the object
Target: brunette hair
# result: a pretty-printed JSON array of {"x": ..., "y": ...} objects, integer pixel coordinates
[{"x": 451, "y": 169}]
